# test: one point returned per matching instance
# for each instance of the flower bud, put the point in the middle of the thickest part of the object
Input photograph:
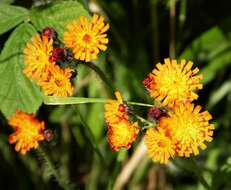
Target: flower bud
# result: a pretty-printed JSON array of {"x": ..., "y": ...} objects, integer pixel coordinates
[
  {"x": 155, "y": 113},
  {"x": 48, "y": 135},
  {"x": 49, "y": 32},
  {"x": 57, "y": 54},
  {"x": 147, "y": 82}
]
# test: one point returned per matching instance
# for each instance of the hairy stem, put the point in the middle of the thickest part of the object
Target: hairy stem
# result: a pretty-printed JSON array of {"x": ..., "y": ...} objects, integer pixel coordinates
[
  {"x": 61, "y": 181},
  {"x": 91, "y": 137}
]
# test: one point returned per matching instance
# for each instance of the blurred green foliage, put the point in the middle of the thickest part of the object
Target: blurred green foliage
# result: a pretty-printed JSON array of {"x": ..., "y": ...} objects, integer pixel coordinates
[{"x": 139, "y": 38}]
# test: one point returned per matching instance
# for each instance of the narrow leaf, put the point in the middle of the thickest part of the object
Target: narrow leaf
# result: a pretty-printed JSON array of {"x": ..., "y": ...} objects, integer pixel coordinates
[{"x": 57, "y": 100}]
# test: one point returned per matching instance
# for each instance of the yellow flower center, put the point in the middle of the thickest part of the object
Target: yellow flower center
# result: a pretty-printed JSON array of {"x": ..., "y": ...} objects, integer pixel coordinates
[
  {"x": 173, "y": 83},
  {"x": 188, "y": 129}
]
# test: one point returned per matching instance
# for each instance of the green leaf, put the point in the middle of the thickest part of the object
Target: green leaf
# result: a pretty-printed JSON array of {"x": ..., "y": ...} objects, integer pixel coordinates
[
  {"x": 6, "y": 1},
  {"x": 217, "y": 64},
  {"x": 219, "y": 94},
  {"x": 213, "y": 48},
  {"x": 11, "y": 16},
  {"x": 205, "y": 48},
  {"x": 57, "y": 15},
  {"x": 16, "y": 91}
]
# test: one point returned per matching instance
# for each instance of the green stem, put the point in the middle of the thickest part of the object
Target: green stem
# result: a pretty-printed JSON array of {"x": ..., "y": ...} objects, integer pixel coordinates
[
  {"x": 120, "y": 158},
  {"x": 182, "y": 14},
  {"x": 91, "y": 137},
  {"x": 172, "y": 26},
  {"x": 150, "y": 124},
  {"x": 62, "y": 182},
  {"x": 193, "y": 167},
  {"x": 139, "y": 104},
  {"x": 198, "y": 172},
  {"x": 101, "y": 74},
  {"x": 155, "y": 31}
]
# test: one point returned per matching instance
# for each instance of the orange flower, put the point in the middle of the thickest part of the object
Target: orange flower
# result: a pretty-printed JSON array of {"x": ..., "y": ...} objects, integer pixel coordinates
[
  {"x": 37, "y": 57},
  {"x": 115, "y": 110},
  {"x": 122, "y": 134},
  {"x": 28, "y": 131},
  {"x": 87, "y": 38},
  {"x": 57, "y": 82},
  {"x": 189, "y": 128},
  {"x": 171, "y": 83},
  {"x": 159, "y": 144}
]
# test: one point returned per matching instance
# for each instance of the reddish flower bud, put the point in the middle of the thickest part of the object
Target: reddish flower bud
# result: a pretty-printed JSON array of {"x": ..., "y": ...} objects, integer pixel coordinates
[
  {"x": 49, "y": 32},
  {"x": 48, "y": 135},
  {"x": 57, "y": 54},
  {"x": 122, "y": 108},
  {"x": 147, "y": 82},
  {"x": 155, "y": 112}
]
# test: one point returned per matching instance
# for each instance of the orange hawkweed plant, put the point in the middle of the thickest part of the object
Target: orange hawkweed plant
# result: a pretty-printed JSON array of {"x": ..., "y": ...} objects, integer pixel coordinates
[
  {"x": 40, "y": 58},
  {"x": 87, "y": 37},
  {"x": 57, "y": 82},
  {"x": 37, "y": 57},
  {"x": 121, "y": 132},
  {"x": 172, "y": 82},
  {"x": 28, "y": 131},
  {"x": 177, "y": 127},
  {"x": 180, "y": 129}
]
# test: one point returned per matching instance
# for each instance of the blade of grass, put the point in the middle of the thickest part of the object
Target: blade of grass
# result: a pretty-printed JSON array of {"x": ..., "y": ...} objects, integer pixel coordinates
[{"x": 58, "y": 100}]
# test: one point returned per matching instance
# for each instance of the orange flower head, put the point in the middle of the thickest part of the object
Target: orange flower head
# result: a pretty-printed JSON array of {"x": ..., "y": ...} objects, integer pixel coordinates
[
  {"x": 122, "y": 134},
  {"x": 87, "y": 37},
  {"x": 190, "y": 128},
  {"x": 171, "y": 83},
  {"x": 57, "y": 82},
  {"x": 37, "y": 57},
  {"x": 28, "y": 131},
  {"x": 116, "y": 110},
  {"x": 159, "y": 144}
]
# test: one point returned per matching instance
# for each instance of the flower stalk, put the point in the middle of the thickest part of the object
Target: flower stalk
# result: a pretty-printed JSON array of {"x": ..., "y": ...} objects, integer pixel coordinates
[{"x": 60, "y": 179}]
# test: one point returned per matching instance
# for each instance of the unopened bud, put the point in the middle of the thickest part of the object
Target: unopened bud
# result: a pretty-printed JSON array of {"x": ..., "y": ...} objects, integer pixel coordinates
[
  {"x": 57, "y": 54},
  {"x": 122, "y": 108},
  {"x": 48, "y": 135},
  {"x": 49, "y": 32},
  {"x": 155, "y": 113},
  {"x": 147, "y": 82}
]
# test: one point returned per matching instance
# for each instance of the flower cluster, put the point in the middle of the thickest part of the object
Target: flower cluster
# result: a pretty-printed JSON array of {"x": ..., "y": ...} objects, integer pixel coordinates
[
  {"x": 52, "y": 65},
  {"x": 40, "y": 57},
  {"x": 48, "y": 61},
  {"x": 181, "y": 127},
  {"x": 121, "y": 132},
  {"x": 28, "y": 131},
  {"x": 184, "y": 129}
]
